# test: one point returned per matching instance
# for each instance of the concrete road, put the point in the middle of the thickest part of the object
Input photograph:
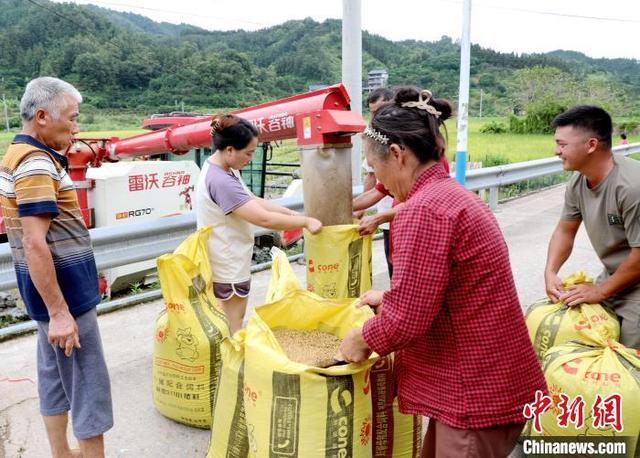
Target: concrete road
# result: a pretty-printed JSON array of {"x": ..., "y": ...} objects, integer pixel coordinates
[{"x": 140, "y": 431}]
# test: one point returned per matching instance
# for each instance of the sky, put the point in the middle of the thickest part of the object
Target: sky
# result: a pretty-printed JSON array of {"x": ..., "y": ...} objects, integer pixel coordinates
[{"x": 596, "y": 28}]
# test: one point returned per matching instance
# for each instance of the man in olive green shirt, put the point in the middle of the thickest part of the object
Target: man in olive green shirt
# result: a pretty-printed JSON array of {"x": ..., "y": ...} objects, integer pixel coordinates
[{"x": 605, "y": 195}]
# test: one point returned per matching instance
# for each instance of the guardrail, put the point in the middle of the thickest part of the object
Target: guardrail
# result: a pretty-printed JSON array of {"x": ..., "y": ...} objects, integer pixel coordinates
[
  {"x": 120, "y": 245},
  {"x": 493, "y": 177},
  {"x": 115, "y": 246}
]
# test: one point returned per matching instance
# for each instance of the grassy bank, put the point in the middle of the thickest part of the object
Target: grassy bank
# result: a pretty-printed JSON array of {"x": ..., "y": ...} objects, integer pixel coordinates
[
  {"x": 95, "y": 125},
  {"x": 490, "y": 149}
]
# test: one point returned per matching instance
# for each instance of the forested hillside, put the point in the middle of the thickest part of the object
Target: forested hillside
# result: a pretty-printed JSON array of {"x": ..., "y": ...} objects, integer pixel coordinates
[{"x": 123, "y": 60}]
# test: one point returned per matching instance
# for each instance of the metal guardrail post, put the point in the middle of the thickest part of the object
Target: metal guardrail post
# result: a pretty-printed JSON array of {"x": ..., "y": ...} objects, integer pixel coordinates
[{"x": 493, "y": 197}]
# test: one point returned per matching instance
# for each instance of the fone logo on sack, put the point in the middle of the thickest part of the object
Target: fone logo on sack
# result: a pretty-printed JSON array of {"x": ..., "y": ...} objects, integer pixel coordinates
[
  {"x": 285, "y": 415},
  {"x": 570, "y": 367},
  {"x": 547, "y": 331},
  {"x": 339, "y": 437},
  {"x": 586, "y": 322}
]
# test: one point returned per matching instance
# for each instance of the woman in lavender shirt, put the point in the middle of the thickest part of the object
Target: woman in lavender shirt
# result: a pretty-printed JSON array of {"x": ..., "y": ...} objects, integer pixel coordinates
[{"x": 224, "y": 202}]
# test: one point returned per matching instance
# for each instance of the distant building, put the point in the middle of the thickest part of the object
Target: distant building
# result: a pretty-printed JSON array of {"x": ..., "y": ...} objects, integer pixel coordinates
[{"x": 378, "y": 77}]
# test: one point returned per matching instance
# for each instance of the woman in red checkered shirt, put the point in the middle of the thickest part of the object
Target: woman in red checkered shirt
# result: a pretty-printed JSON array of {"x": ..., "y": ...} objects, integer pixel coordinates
[{"x": 452, "y": 317}]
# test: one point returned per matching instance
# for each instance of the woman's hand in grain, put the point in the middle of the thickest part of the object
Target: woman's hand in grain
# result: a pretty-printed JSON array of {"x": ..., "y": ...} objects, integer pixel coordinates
[{"x": 354, "y": 348}]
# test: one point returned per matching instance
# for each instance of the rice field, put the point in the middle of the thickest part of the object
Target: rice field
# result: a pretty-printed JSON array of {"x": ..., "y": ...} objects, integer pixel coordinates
[{"x": 490, "y": 149}]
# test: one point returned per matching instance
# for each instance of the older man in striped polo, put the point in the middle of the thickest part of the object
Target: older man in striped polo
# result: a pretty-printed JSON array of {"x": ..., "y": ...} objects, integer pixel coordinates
[{"x": 55, "y": 268}]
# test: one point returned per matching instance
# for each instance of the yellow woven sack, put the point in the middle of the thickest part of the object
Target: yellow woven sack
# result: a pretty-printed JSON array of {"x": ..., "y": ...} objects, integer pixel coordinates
[
  {"x": 283, "y": 279},
  {"x": 189, "y": 331},
  {"x": 229, "y": 437},
  {"x": 295, "y": 410},
  {"x": 338, "y": 262},
  {"x": 607, "y": 368},
  {"x": 552, "y": 324}
]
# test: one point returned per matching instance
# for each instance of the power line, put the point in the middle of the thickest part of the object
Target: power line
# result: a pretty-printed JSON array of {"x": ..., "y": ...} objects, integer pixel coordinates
[
  {"x": 457, "y": 2},
  {"x": 62, "y": 16},
  {"x": 66, "y": 18},
  {"x": 569, "y": 15},
  {"x": 180, "y": 13},
  {"x": 547, "y": 13}
]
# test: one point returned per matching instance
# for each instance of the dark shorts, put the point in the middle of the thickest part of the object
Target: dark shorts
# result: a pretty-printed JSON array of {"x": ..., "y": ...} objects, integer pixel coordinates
[
  {"x": 79, "y": 383},
  {"x": 224, "y": 291}
]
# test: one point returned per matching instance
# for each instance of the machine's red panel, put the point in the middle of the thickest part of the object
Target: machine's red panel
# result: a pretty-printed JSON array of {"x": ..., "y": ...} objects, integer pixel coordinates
[{"x": 328, "y": 126}]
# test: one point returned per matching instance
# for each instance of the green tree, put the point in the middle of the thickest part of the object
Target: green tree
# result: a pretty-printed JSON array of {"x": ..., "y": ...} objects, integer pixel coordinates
[{"x": 541, "y": 85}]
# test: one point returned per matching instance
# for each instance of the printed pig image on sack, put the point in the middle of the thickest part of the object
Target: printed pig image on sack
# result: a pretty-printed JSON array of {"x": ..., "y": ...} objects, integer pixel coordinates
[
  {"x": 186, "y": 355},
  {"x": 297, "y": 410},
  {"x": 601, "y": 383},
  {"x": 338, "y": 262},
  {"x": 552, "y": 324}
]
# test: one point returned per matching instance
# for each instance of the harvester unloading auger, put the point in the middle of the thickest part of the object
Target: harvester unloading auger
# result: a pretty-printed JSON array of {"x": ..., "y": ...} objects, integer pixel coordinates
[{"x": 320, "y": 120}]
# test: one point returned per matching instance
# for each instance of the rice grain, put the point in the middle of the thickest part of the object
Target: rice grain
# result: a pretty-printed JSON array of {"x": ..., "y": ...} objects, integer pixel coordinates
[{"x": 308, "y": 347}]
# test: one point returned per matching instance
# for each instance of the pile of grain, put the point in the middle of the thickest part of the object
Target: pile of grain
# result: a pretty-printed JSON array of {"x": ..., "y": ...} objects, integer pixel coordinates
[{"x": 308, "y": 347}]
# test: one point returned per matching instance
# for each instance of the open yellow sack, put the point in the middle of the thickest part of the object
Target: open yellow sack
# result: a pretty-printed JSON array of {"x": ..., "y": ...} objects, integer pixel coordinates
[
  {"x": 552, "y": 324},
  {"x": 189, "y": 332},
  {"x": 229, "y": 438},
  {"x": 588, "y": 370},
  {"x": 338, "y": 261},
  {"x": 283, "y": 279},
  {"x": 297, "y": 410}
]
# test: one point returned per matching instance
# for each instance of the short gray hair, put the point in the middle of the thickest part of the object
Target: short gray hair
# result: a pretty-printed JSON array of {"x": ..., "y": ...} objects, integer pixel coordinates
[{"x": 46, "y": 93}]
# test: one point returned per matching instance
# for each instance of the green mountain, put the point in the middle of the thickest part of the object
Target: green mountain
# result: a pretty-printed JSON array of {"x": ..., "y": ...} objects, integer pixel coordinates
[
  {"x": 127, "y": 61},
  {"x": 140, "y": 24}
]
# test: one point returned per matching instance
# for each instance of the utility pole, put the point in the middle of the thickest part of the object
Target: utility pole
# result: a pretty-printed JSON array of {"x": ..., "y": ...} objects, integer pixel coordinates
[
  {"x": 6, "y": 112},
  {"x": 481, "y": 103},
  {"x": 352, "y": 73},
  {"x": 463, "y": 94},
  {"x": 4, "y": 102}
]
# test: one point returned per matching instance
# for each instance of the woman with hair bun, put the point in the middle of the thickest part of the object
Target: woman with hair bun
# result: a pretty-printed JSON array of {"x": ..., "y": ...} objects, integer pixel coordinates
[
  {"x": 463, "y": 356},
  {"x": 224, "y": 202}
]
